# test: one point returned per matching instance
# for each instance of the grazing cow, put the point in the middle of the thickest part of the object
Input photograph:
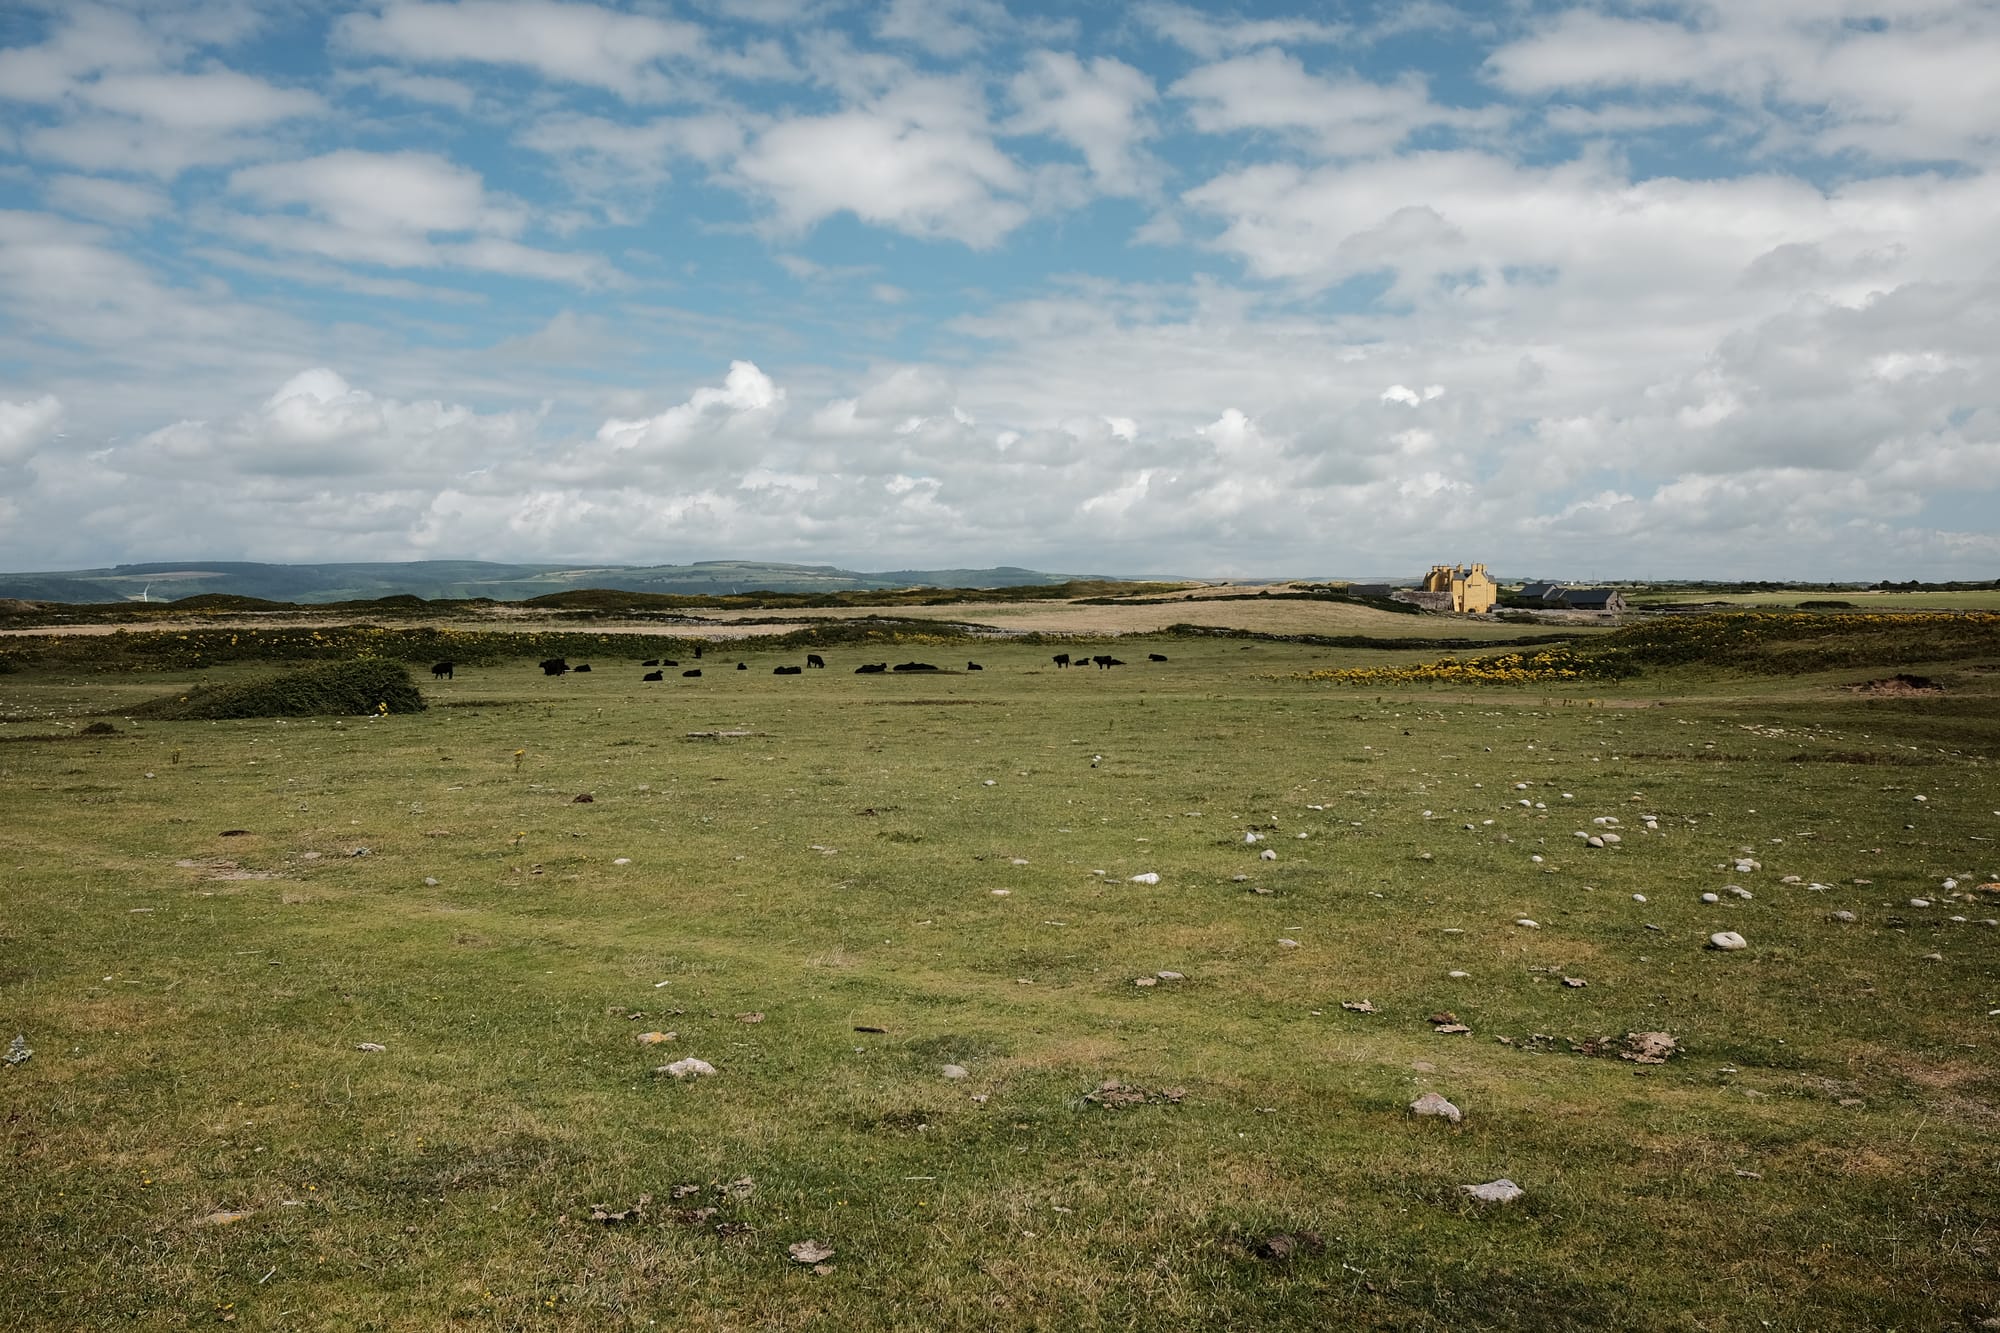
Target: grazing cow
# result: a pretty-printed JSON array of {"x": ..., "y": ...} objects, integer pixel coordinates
[
  {"x": 788, "y": 671},
  {"x": 651, "y": 661},
  {"x": 1156, "y": 657},
  {"x": 695, "y": 672},
  {"x": 974, "y": 666},
  {"x": 1061, "y": 659},
  {"x": 554, "y": 666},
  {"x": 654, "y": 675},
  {"x": 913, "y": 666},
  {"x": 581, "y": 666},
  {"x": 441, "y": 671},
  {"x": 1106, "y": 663},
  {"x": 815, "y": 660},
  {"x": 871, "y": 668}
]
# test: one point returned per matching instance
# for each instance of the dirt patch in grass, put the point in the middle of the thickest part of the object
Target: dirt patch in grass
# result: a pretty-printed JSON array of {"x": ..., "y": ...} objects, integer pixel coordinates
[{"x": 1902, "y": 685}]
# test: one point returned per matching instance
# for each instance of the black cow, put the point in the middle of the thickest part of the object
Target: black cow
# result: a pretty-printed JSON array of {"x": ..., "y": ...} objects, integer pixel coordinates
[
  {"x": 788, "y": 671},
  {"x": 1106, "y": 663},
  {"x": 581, "y": 666},
  {"x": 697, "y": 652},
  {"x": 695, "y": 672},
  {"x": 554, "y": 666},
  {"x": 654, "y": 675},
  {"x": 1061, "y": 659},
  {"x": 815, "y": 660},
  {"x": 1156, "y": 657},
  {"x": 742, "y": 666},
  {"x": 668, "y": 661},
  {"x": 913, "y": 666},
  {"x": 974, "y": 666},
  {"x": 871, "y": 668},
  {"x": 651, "y": 661},
  {"x": 441, "y": 671}
]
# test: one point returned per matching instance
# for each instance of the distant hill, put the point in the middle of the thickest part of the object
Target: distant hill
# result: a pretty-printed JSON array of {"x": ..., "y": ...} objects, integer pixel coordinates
[{"x": 168, "y": 581}]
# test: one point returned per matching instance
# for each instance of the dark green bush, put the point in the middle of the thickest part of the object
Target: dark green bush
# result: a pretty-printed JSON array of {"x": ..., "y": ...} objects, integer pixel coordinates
[{"x": 331, "y": 689}]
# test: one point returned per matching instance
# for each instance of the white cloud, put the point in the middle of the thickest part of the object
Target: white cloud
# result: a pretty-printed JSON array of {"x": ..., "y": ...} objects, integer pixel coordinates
[
  {"x": 105, "y": 199},
  {"x": 214, "y": 101},
  {"x": 1099, "y": 108},
  {"x": 1204, "y": 35},
  {"x": 399, "y": 210},
  {"x": 920, "y": 160},
  {"x": 742, "y": 407},
  {"x": 1271, "y": 90},
  {"x": 947, "y": 28},
  {"x": 572, "y": 43},
  {"x": 318, "y": 425},
  {"x": 27, "y": 426}
]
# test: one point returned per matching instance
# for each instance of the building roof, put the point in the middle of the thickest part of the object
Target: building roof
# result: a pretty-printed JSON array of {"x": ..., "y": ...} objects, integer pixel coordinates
[{"x": 1585, "y": 598}]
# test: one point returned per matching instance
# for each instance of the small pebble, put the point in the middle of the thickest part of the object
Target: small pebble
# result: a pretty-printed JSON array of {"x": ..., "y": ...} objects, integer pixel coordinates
[
  {"x": 1728, "y": 941},
  {"x": 1458, "y": 976},
  {"x": 1638, "y": 897},
  {"x": 1288, "y": 944},
  {"x": 1494, "y": 1191},
  {"x": 1430, "y": 1104},
  {"x": 1268, "y": 855},
  {"x": 1525, "y": 924},
  {"x": 1150, "y": 877},
  {"x": 1711, "y": 898},
  {"x": 955, "y": 1072},
  {"x": 1844, "y": 916},
  {"x": 1920, "y": 902}
]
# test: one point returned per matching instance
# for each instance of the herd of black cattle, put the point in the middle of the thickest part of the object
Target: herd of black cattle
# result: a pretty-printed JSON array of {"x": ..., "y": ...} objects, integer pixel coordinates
[{"x": 557, "y": 666}]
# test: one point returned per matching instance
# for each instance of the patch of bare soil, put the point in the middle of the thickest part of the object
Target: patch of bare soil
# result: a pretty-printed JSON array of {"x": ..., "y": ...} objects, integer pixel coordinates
[{"x": 1900, "y": 685}]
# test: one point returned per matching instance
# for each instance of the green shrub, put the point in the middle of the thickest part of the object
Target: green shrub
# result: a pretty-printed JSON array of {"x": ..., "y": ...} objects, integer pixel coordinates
[{"x": 330, "y": 689}]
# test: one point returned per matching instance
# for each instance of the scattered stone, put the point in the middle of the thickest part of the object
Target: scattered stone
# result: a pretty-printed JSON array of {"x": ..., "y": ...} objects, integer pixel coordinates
[
  {"x": 1005, "y": 893},
  {"x": 224, "y": 1218},
  {"x": 1239, "y": 879},
  {"x": 18, "y": 1049},
  {"x": 1649, "y": 1048},
  {"x": 1430, "y": 1104},
  {"x": 585, "y": 799},
  {"x": 1170, "y": 976},
  {"x": 1288, "y": 944},
  {"x": 603, "y": 1212},
  {"x": 1525, "y": 924},
  {"x": 1494, "y": 1191},
  {"x": 1843, "y": 915},
  {"x": 1933, "y": 958},
  {"x": 1711, "y": 898},
  {"x": 688, "y": 1068},
  {"x": 1358, "y": 1006},
  {"x": 657, "y": 1038},
  {"x": 956, "y": 1072},
  {"x": 1150, "y": 877},
  {"x": 372, "y": 1047},
  {"x": 1728, "y": 941},
  {"x": 1920, "y": 902},
  {"x": 810, "y": 1252},
  {"x": 359, "y": 851},
  {"x": 430, "y": 881},
  {"x": 1267, "y": 855},
  {"x": 1591, "y": 840},
  {"x": 621, "y": 860},
  {"x": 1457, "y": 975},
  {"x": 1575, "y": 983},
  {"x": 750, "y": 1018},
  {"x": 1146, "y": 981},
  {"x": 1638, "y": 897},
  {"x": 1738, "y": 891}
]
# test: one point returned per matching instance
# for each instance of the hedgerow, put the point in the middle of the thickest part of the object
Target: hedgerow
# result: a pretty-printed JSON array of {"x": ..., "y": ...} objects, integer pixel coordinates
[{"x": 331, "y": 689}]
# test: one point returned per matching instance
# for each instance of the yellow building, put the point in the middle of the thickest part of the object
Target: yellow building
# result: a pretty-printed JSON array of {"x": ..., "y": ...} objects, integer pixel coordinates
[{"x": 1470, "y": 589}]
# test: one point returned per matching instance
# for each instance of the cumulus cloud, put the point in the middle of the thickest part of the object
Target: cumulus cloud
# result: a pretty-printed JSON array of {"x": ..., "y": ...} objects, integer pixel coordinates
[
  {"x": 626, "y": 54},
  {"x": 743, "y": 406},
  {"x": 1347, "y": 116},
  {"x": 920, "y": 159},
  {"x": 27, "y": 426},
  {"x": 318, "y": 425},
  {"x": 399, "y": 210},
  {"x": 1099, "y": 108}
]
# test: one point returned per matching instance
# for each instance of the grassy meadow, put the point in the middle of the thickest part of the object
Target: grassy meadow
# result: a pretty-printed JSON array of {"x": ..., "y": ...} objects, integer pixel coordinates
[{"x": 845, "y": 884}]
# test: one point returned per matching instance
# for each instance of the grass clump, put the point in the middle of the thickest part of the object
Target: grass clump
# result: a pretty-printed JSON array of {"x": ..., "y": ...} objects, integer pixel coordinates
[{"x": 321, "y": 690}]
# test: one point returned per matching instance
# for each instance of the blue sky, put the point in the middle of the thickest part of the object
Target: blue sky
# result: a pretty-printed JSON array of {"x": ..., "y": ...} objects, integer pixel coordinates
[{"x": 1606, "y": 289}]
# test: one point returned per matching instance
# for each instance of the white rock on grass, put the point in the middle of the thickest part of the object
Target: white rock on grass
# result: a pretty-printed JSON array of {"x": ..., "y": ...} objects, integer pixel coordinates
[
  {"x": 1170, "y": 976},
  {"x": 1711, "y": 898},
  {"x": 1525, "y": 924},
  {"x": 1728, "y": 941},
  {"x": 1844, "y": 916},
  {"x": 955, "y": 1072},
  {"x": 1430, "y": 1104},
  {"x": 1502, "y": 1190},
  {"x": 1268, "y": 855},
  {"x": 1920, "y": 902},
  {"x": 1150, "y": 877},
  {"x": 688, "y": 1068}
]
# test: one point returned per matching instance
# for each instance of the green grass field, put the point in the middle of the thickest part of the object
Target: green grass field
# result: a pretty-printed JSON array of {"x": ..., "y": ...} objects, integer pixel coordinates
[{"x": 900, "y": 873}]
